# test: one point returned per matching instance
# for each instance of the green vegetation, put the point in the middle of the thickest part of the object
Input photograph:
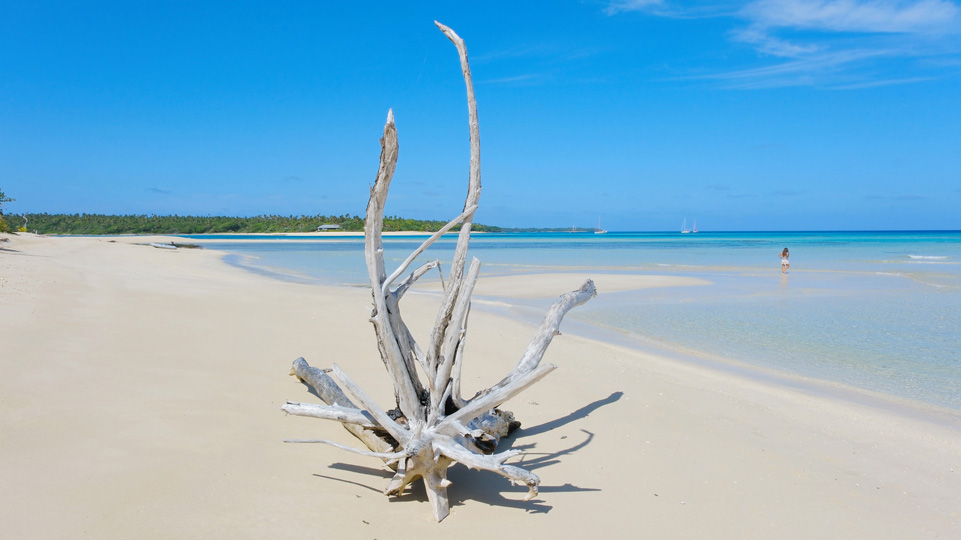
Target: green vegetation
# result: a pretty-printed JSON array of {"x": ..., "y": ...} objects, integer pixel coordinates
[
  {"x": 3, "y": 222},
  {"x": 142, "y": 224}
]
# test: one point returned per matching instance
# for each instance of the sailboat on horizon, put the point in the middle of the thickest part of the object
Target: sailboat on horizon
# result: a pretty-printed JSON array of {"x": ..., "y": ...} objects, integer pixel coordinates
[
  {"x": 599, "y": 230},
  {"x": 684, "y": 229}
]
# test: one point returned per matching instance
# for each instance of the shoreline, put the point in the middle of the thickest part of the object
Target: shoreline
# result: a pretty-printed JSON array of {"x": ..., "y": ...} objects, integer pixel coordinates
[
  {"x": 172, "y": 366},
  {"x": 815, "y": 387},
  {"x": 509, "y": 295},
  {"x": 548, "y": 285},
  {"x": 722, "y": 365}
]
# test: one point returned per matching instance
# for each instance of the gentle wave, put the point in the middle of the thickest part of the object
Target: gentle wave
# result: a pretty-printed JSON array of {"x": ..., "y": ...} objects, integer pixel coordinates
[{"x": 935, "y": 257}]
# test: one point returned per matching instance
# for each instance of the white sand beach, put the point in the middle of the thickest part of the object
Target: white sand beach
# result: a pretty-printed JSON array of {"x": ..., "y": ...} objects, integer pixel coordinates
[{"x": 140, "y": 394}]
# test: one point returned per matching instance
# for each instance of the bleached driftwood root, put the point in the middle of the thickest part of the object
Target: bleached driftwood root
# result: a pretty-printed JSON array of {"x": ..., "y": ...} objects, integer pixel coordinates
[
  {"x": 433, "y": 425},
  {"x": 339, "y": 407}
]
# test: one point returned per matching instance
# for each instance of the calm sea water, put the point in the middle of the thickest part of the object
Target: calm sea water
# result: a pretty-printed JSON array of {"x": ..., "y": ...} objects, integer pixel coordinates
[{"x": 878, "y": 311}]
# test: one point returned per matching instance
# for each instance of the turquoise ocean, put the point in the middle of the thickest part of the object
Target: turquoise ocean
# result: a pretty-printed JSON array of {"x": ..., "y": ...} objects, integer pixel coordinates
[{"x": 878, "y": 312}]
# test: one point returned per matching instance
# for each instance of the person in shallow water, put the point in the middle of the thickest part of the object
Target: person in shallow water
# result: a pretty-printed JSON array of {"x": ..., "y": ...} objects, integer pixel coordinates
[{"x": 785, "y": 264}]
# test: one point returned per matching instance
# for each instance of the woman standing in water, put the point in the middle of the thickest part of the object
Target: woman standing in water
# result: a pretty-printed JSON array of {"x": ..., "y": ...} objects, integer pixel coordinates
[{"x": 785, "y": 264}]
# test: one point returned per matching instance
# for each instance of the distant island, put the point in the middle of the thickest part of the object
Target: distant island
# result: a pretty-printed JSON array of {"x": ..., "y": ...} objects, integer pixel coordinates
[
  {"x": 103, "y": 224},
  {"x": 108, "y": 224},
  {"x": 547, "y": 229}
]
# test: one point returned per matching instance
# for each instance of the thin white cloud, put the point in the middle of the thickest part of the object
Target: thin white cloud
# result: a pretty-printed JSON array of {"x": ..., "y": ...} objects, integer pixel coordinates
[
  {"x": 888, "y": 16},
  {"x": 920, "y": 18},
  {"x": 550, "y": 51},
  {"x": 837, "y": 44},
  {"x": 675, "y": 8},
  {"x": 865, "y": 16},
  {"x": 862, "y": 23},
  {"x": 879, "y": 83},
  {"x": 515, "y": 79},
  {"x": 942, "y": 62},
  {"x": 819, "y": 70},
  {"x": 541, "y": 61},
  {"x": 517, "y": 52},
  {"x": 620, "y": 6},
  {"x": 773, "y": 46}
]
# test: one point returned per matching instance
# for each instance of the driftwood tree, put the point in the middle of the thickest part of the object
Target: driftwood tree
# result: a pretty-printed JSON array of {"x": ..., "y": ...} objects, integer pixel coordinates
[{"x": 432, "y": 425}]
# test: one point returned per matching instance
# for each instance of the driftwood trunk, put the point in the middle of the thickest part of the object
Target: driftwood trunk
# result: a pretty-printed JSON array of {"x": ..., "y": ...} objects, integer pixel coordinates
[{"x": 432, "y": 425}]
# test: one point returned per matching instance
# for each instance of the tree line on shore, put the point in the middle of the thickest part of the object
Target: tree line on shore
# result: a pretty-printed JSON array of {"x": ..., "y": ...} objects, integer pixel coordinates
[
  {"x": 152, "y": 224},
  {"x": 4, "y": 226}
]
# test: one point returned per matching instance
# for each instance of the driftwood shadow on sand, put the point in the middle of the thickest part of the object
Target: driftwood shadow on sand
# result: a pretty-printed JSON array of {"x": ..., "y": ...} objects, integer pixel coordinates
[
  {"x": 488, "y": 487},
  {"x": 583, "y": 412}
]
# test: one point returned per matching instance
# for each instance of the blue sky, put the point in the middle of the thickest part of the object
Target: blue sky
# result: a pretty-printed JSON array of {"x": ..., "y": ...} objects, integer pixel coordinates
[{"x": 743, "y": 115}]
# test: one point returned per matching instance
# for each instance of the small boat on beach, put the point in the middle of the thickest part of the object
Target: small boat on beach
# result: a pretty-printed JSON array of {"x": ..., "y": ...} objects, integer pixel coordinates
[{"x": 173, "y": 245}]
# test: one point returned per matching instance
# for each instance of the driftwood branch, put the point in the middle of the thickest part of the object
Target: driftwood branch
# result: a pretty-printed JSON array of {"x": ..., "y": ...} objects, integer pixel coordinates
[
  {"x": 552, "y": 322},
  {"x": 456, "y": 331},
  {"x": 498, "y": 394},
  {"x": 473, "y": 195},
  {"x": 387, "y": 456},
  {"x": 423, "y": 247},
  {"x": 414, "y": 276},
  {"x": 330, "y": 412},
  {"x": 405, "y": 390},
  {"x": 386, "y": 422},
  {"x": 331, "y": 394},
  {"x": 432, "y": 425}
]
